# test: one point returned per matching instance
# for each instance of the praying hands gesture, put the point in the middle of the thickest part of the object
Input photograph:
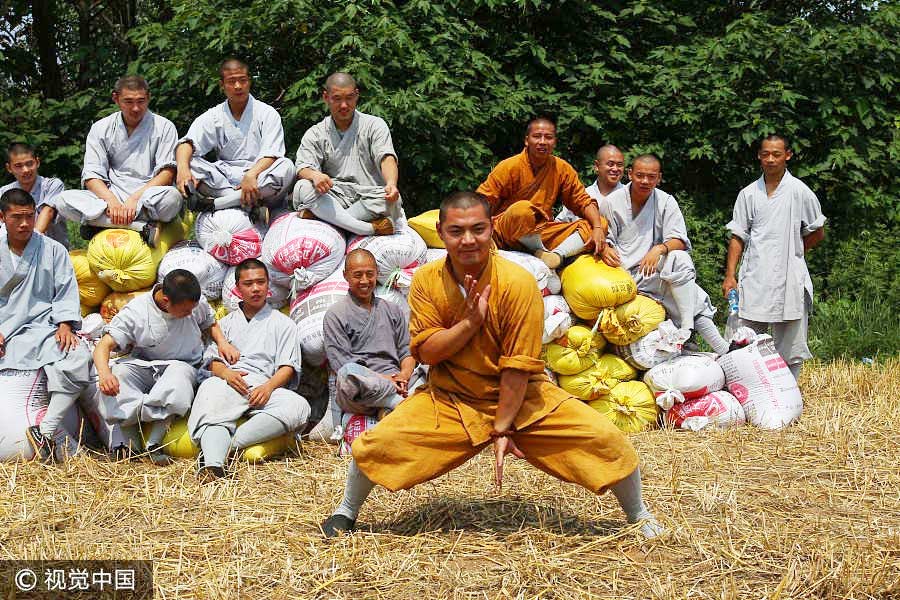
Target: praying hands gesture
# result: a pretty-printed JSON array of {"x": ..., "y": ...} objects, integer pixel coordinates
[{"x": 476, "y": 303}]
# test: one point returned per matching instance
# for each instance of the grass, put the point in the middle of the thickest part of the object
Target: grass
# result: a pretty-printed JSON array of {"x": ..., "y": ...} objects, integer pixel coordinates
[{"x": 809, "y": 512}]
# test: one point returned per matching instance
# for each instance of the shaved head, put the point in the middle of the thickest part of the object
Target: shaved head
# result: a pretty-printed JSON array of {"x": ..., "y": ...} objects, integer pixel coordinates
[
  {"x": 233, "y": 64},
  {"x": 340, "y": 80},
  {"x": 359, "y": 256},
  {"x": 647, "y": 159},
  {"x": 463, "y": 200},
  {"x": 607, "y": 148}
]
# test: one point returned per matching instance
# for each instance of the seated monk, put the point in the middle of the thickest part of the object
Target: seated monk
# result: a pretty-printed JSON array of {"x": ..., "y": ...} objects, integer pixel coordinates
[
  {"x": 476, "y": 320},
  {"x": 522, "y": 191}
]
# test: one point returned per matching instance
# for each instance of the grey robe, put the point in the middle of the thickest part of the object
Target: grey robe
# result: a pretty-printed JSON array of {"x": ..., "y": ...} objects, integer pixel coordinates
[
  {"x": 36, "y": 295},
  {"x": 125, "y": 163},
  {"x": 774, "y": 283},
  {"x": 267, "y": 342}
]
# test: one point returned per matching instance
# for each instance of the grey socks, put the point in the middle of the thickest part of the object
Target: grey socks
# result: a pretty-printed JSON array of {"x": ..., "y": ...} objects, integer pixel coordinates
[
  {"x": 357, "y": 490},
  {"x": 628, "y": 493}
]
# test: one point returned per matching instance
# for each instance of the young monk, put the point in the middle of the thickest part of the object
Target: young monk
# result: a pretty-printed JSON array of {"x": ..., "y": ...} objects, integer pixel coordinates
[
  {"x": 39, "y": 310},
  {"x": 476, "y": 320},
  {"x": 347, "y": 166},
  {"x": 22, "y": 162},
  {"x": 161, "y": 332},
  {"x": 367, "y": 342},
  {"x": 522, "y": 191},
  {"x": 609, "y": 166},
  {"x": 648, "y": 238},
  {"x": 247, "y": 137},
  {"x": 129, "y": 168},
  {"x": 258, "y": 385},
  {"x": 777, "y": 219}
]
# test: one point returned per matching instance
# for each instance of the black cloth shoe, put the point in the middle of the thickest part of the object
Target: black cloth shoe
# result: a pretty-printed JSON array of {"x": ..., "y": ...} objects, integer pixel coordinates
[
  {"x": 211, "y": 473},
  {"x": 150, "y": 234},
  {"x": 335, "y": 525},
  {"x": 691, "y": 344},
  {"x": 157, "y": 456},
  {"x": 197, "y": 202},
  {"x": 87, "y": 232},
  {"x": 259, "y": 214},
  {"x": 44, "y": 448},
  {"x": 121, "y": 453}
]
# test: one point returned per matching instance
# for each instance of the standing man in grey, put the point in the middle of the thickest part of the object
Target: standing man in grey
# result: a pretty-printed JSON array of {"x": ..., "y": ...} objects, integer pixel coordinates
[
  {"x": 776, "y": 220},
  {"x": 129, "y": 169},
  {"x": 347, "y": 166}
]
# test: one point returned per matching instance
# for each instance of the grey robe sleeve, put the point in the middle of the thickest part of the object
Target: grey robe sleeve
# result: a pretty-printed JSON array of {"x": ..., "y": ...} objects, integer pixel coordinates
[
  {"x": 337, "y": 343},
  {"x": 96, "y": 159},
  {"x": 811, "y": 217},
  {"x": 54, "y": 188},
  {"x": 202, "y": 134},
  {"x": 288, "y": 353},
  {"x": 401, "y": 332},
  {"x": 380, "y": 142},
  {"x": 66, "y": 303},
  {"x": 122, "y": 328},
  {"x": 204, "y": 315},
  {"x": 605, "y": 208},
  {"x": 742, "y": 219},
  {"x": 309, "y": 155},
  {"x": 673, "y": 226},
  {"x": 272, "y": 143},
  {"x": 165, "y": 150}
]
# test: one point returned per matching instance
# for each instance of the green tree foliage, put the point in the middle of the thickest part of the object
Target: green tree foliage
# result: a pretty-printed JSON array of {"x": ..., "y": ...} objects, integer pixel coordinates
[{"x": 697, "y": 83}]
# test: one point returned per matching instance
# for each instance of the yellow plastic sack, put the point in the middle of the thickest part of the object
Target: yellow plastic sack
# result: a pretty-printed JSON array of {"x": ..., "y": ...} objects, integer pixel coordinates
[
  {"x": 86, "y": 310},
  {"x": 596, "y": 381},
  {"x": 116, "y": 301},
  {"x": 575, "y": 351},
  {"x": 219, "y": 309},
  {"x": 424, "y": 225},
  {"x": 631, "y": 321},
  {"x": 630, "y": 405},
  {"x": 178, "y": 443},
  {"x": 121, "y": 259},
  {"x": 91, "y": 290},
  {"x": 589, "y": 285}
]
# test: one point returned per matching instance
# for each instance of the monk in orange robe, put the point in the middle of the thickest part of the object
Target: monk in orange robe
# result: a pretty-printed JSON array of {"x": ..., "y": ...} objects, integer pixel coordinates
[
  {"x": 476, "y": 320},
  {"x": 522, "y": 191}
]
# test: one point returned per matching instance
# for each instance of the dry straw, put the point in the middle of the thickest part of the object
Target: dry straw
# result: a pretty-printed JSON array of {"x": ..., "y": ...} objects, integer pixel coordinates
[{"x": 810, "y": 512}]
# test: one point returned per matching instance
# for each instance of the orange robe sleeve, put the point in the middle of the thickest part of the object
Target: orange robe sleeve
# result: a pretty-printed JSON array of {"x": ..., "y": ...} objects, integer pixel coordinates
[
  {"x": 424, "y": 318},
  {"x": 494, "y": 187},
  {"x": 572, "y": 192},
  {"x": 521, "y": 313}
]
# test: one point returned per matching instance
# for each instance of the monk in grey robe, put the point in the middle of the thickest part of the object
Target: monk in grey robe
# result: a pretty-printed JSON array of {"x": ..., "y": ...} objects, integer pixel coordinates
[
  {"x": 129, "y": 168},
  {"x": 247, "y": 137},
  {"x": 259, "y": 385},
  {"x": 39, "y": 310},
  {"x": 347, "y": 166},
  {"x": 648, "y": 238},
  {"x": 22, "y": 162},
  {"x": 776, "y": 220}
]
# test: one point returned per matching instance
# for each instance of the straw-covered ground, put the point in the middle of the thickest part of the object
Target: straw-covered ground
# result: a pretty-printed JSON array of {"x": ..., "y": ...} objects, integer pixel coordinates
[{"x": 810, "y": 512}]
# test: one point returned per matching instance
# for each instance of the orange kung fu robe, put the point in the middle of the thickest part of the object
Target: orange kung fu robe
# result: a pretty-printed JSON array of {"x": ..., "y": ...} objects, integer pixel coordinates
[
  {"x": 522, "y": 201},
  {"x": 449, "y": 420}
]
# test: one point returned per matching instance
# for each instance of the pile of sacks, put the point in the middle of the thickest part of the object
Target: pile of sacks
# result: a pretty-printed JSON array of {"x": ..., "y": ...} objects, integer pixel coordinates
[{"x": 615, "y": 350}]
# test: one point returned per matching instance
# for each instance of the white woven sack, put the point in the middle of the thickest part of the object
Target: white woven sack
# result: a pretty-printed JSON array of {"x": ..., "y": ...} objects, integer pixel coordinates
[
  {"x": 547, "y": 279},
  {"x": 683, "y": 378},
  {"x": 717, "y": 410},
  {"x": 228, "y": 235},
  {"x": 190, "y": 256},
  {"x": 308, "y": 312},
  {"x": 557, "y": 318},
  {"x": 764, "y": 385},
  {"x": 397, "y": 255},
  {"x": 302, "y": 252},
  {"x": 662, "y": 344}
]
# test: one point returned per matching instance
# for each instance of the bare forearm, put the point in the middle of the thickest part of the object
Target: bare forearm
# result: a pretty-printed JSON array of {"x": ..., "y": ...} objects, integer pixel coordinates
[
  {"x": 444, "y": 344},
  {"x": 674, "y": 244},
  {"x": 215, "y": 332},
  {"x": 735, "y": 250},
  {"x": 389, "y": 170},
  {"x": 281, "y": 378},
  {"x": 593, "y": 216},
  {"x": 100, "y": 189},
  {"x": 407, "y": 365},
  {"x": 512, "y": 393},
  {"x": 260, "y": 166},
  {"x": 813, "y": 239},
  {"x": 307, "y": 173},
  {"x": 101, "y": 355},
  {"x": 183, "y": 154}
]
